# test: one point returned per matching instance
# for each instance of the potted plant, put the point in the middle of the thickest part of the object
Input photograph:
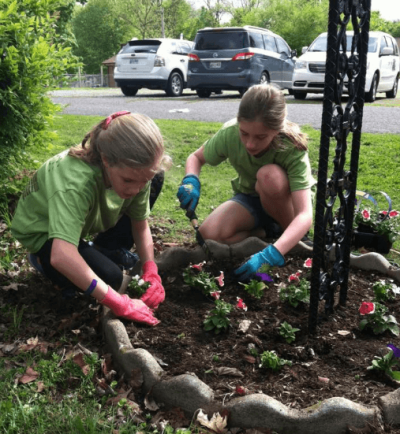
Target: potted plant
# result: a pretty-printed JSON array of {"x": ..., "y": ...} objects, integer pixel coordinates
[{"x": 375, "y": 229}]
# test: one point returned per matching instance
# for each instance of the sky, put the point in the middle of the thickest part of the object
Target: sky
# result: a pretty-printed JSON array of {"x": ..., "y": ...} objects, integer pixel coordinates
[{"x": 389, "y": 9}]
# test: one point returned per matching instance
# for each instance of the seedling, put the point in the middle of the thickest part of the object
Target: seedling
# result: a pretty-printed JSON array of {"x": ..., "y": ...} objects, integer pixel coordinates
[
  {"x": 295, "y": 294},
  {"x": 218, "y": 320},
  {"x": 288, "y": 332},
  {"x": 201, "y": 280},
  {"x": 377, "y": 319},
  {"x": 270, "y": 360},
  {"x": 138, "y": 286},
  {"x": 385, "y": 363},
  {"x": 383, "y": 291},
  {"x": 254, "y": 288}
]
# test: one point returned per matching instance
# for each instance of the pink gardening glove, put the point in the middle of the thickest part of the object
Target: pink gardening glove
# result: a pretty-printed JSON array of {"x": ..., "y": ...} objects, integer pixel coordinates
[
  {"x": 125, "y": 307},
  {"x": 155, "y": 294}
]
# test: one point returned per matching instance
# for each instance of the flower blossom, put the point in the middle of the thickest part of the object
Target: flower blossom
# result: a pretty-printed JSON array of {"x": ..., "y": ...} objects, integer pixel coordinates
[
  {"x": 241, "y": 304},
  {"x": 199, "y": 266},
  {"x": 216, "y": 295},
  {"x": 396, "y": 351},
  {"x": 393, "y": 213},
  {"x": 220, "y": 279},
  {"x": 294, "y": 278},
  {"x": 308, "y": 263},
  {"x": 366, "y": 215},
  {"x": 264, "y": 277},
  {"x": 367, "y": 308},
  {"x": 240, "y": 390}
]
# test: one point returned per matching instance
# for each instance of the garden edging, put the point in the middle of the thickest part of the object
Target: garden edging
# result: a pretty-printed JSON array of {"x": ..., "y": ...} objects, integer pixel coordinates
[{"x": 187, "y": 392}]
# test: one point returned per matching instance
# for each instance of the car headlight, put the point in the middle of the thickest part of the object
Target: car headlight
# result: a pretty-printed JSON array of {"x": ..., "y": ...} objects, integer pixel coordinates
[{"x": 300, "y": 65}]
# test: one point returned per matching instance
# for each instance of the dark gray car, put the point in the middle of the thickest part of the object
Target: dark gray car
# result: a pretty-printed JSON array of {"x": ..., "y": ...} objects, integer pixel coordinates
[{"x": 235, "y": 58}]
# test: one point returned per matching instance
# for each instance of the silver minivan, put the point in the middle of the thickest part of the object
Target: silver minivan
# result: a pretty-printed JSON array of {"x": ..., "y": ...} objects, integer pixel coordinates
[{"x": 235, "y": 58}]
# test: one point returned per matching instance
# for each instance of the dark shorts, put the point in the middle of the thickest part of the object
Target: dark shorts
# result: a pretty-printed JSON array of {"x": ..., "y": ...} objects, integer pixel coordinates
[{"x": 261, "y": 218}]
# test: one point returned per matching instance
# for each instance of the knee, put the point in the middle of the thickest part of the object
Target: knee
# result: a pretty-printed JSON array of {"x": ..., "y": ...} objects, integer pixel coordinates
[{"x": 272, "y": 181}]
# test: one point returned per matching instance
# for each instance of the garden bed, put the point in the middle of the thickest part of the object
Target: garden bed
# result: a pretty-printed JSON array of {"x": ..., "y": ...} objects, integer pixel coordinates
[{"x": 332, "y": 364}]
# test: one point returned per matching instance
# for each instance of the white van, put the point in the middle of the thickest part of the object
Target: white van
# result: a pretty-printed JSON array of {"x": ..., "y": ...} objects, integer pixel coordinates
[{"x": 383, "y": 66}]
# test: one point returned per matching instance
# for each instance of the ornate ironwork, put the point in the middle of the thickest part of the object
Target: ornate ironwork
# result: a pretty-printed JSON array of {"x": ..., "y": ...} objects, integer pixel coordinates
[{"x": 334, "y": 221}]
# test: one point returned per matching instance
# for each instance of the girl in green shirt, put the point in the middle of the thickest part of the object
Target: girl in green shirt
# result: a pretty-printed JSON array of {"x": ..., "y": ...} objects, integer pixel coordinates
[
  {"x": 273, "y": 184},
  {"x": 101, "y": 187}
]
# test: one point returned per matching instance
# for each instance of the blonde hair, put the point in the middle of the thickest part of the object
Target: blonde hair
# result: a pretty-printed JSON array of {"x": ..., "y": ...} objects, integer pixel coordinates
[
  {"x": 131, "y": 140},
  {"x": 265, "y": 103}
]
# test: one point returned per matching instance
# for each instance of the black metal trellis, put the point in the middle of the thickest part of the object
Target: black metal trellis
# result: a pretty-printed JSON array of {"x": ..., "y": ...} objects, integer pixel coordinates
[{"x": 333, "y": 227}]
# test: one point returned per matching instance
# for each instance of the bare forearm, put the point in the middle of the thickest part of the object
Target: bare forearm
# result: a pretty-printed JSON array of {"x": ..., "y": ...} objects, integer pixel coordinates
[
  {"x": 294, "y": 233},
  {"x": 66, "y": 259},
  {"x": 143, "y": 240},
  {"x": 195, "y": 162}
]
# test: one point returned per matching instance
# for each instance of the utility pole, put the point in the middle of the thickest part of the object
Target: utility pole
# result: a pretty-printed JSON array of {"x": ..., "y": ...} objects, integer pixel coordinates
[{"x": 162, "y": 23}]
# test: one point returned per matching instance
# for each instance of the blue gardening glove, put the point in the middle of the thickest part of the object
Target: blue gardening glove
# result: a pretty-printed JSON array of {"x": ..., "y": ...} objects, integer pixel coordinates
[
  {"x": 189, "y": 193},
  {"x": 270, "y": 255}
]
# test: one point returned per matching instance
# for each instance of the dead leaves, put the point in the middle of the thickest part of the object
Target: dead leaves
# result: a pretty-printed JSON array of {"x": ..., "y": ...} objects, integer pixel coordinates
[
  {"x": 217, "y": 423},
  {"x": 29, "y": 376}
]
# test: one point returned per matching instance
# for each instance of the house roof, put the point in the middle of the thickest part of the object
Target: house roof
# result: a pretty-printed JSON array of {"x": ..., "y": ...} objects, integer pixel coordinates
[{"x": 109, "y": 61}]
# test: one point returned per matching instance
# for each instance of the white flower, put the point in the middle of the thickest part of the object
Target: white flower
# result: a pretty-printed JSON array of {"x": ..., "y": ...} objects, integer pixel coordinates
[{"x": 141, "y": 282}]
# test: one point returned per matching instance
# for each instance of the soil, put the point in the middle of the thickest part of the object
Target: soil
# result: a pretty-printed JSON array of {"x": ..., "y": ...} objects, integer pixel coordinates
[{"x": 328, "y": 365}]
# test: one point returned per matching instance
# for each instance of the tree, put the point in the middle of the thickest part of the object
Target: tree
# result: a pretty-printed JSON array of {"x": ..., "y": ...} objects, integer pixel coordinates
[
  {"x": 32, "y": 57},
  {"x": 98, "y": 32},
  {"x": 299, "y": 22}
]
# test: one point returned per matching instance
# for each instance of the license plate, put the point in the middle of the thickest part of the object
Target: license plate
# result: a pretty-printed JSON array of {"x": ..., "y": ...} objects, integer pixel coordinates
[
  {"x": 133, "y": 60},
  {"x": 215, "y": 65}
]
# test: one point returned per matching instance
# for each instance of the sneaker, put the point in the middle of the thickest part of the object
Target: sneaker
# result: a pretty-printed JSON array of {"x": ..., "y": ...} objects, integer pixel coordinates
[{"x": 34, "y": 261}]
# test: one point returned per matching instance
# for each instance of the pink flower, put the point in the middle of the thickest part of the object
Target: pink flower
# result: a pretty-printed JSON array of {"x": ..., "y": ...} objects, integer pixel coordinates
[
  {"x": 216, "y": 294},
  {"x": 308, "y": 263},
  {"x": 220, "y": 279},
  {"x": 198, "y": 267},
  {"x": 240, "y": 390},
  {"x": 367, "y": 308},
  {"x": 383, "y": 212},
  {"x": 366, "y": 214},
  {"x": 241, "y": 304},
  {"x": 393, "y": 213},
  {"x": 294, "y": 278}
]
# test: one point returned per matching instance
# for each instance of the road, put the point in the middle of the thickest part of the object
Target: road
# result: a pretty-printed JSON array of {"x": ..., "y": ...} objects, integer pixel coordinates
[{"x": 217, "y": 108}]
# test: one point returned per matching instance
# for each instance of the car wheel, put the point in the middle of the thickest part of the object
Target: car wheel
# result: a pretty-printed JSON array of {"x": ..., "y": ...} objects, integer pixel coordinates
[
  {"x": 175, "y": 85},
  {"x": 393, "y": 92},
  {"x": 203, "y": 93},
  {"x": 371, "y": 95},
  {"x": 242, "y": 91},
  {"x": 264, "y": 79},
  {"x": 129, "y": 91},
  {"x": 300, "y": 95}
]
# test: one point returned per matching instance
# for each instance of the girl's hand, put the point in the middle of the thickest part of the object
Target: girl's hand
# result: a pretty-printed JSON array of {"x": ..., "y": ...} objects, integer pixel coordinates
[
  {"x": 270, "y": 255},
  {"x": 155, "y": 294},
  {"x": 125, "y": 307}
]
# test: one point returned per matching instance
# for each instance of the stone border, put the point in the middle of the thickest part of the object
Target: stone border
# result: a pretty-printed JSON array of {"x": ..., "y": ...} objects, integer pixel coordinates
[{"x": 186, "y": 391}]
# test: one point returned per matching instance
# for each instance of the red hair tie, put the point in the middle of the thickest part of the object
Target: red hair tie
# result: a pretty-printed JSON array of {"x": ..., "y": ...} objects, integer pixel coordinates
[{"x": 107, "y": 122}]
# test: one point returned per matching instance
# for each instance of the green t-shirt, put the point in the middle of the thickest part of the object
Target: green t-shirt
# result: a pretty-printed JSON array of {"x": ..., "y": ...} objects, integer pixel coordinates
[
  {"x": 226, "y": 144},
  {"x": 67, "y": 199}
]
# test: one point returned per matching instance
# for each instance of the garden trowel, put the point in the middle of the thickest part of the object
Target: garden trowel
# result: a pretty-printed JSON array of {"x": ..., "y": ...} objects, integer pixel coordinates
[{"x": 191, "y": 215}]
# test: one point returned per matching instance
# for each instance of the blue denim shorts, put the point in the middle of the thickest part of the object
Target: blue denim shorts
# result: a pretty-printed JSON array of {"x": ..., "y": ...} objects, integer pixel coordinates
[{"x": 261, "y": 218}]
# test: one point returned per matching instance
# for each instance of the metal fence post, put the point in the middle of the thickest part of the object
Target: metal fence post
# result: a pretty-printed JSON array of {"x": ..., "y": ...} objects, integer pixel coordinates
[{"x": 333, "y": 226}]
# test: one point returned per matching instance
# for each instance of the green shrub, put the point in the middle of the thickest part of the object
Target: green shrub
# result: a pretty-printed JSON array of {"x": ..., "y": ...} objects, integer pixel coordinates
[{"x": 32, "y": 56}]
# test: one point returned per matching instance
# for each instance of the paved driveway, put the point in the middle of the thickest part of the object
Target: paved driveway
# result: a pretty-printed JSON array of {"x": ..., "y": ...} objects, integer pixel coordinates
[{"x": 218, "y": 108}]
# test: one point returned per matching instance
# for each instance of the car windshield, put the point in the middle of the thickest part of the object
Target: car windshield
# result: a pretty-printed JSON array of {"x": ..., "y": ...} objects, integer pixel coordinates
[
  {"x": 141, "y": 47},
  {"x": 221, "y": 40},
  {"x": 320, "y": 44}
]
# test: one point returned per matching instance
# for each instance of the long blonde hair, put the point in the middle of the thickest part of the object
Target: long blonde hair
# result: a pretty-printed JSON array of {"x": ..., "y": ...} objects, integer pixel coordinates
[
  {"x": 266, "y": 103},
  {"x": 126, "y": 139}
]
